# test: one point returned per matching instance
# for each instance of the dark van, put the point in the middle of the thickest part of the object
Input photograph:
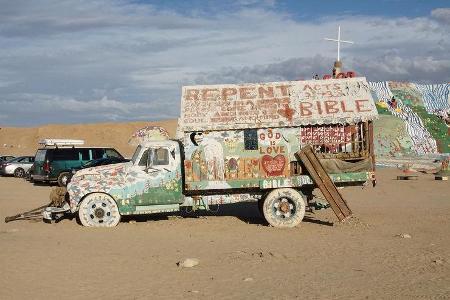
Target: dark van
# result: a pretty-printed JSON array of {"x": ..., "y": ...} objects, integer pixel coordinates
[{"x": 55, "y": 161}]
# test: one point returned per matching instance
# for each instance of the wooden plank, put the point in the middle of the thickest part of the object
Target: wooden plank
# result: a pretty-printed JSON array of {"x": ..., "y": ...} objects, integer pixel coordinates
[
  {"x": 320, "y": 185},
  {"x": 324, "y": 183},
  {"x": 329, "y": 184},
  {"x": 371, "y": 147}
]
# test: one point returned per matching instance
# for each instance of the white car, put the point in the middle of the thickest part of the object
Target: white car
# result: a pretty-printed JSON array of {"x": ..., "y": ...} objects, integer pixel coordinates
[{"x": 17, "y": 166}]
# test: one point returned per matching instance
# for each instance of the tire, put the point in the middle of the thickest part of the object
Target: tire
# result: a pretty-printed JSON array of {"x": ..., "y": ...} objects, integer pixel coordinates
[
  {"x": 63, "y": 179},
  {"x": 284, "y": 208},
  {"x": 98, "y": 210},
  {"x": 19, "y": 173}
]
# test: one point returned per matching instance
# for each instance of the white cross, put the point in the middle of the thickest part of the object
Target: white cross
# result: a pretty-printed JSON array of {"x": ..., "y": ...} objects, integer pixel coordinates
[{"x": 339, "y": 41}]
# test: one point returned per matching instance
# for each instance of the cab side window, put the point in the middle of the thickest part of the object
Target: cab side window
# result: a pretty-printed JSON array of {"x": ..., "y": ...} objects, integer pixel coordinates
[
  {"x": 84, "y": 153},
  {"x": 160, "y": 157}
]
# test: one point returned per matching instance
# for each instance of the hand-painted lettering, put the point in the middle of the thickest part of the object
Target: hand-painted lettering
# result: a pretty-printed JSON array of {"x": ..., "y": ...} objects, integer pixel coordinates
[
  {"x": 360, "y": 105},
  {"x": 305, "y": 109},
  {"x": 330, "y": 107},
  {"x": 192, "y": 94},
  {"x": 228, "y": 92},
  {"x": 265, "y": 92}
]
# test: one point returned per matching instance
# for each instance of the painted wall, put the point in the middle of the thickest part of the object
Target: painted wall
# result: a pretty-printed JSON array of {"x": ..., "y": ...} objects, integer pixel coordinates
[{"x": 421, "y": 112}]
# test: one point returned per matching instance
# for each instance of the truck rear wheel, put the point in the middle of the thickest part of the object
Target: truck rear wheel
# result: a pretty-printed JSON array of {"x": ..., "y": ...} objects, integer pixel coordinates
[
  {"x": 284, "y": 208},
  {"x": 99, "y": 210}
]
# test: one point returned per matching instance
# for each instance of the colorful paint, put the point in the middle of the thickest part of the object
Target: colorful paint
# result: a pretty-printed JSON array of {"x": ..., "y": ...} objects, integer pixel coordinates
[{"x": 133, "y": 185}]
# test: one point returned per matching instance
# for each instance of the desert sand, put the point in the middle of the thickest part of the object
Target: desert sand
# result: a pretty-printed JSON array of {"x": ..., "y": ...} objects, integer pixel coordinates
[{"x": 240, "y": 257}]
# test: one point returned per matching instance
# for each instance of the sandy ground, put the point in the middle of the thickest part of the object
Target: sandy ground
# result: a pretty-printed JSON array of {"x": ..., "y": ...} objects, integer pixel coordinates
[{"x": 240, "y": 257}]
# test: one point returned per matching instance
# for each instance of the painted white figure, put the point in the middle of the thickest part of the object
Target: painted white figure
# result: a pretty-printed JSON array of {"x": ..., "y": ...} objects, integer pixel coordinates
[{"x": 213, "y": 152}]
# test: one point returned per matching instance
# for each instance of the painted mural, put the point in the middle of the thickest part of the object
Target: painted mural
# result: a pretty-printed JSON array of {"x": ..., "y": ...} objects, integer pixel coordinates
[
  {"x": 226, "y": 156},
  {"x": 391, "y": 137},
  {"x": 245, "y": 158},
  {"x": 424, "y": 112}
]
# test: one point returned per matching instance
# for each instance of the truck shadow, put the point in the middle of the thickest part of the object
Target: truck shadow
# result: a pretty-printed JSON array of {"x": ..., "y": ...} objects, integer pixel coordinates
[{"x": 247, "y": 212}]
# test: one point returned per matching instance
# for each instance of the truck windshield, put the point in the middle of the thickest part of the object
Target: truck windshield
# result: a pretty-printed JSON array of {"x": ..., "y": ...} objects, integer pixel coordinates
[{"x": 136, "y": 154}]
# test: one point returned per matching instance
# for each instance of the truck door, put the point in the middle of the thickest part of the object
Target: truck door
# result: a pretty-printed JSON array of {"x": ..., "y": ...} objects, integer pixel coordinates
[{"x": 163, "y": 184}]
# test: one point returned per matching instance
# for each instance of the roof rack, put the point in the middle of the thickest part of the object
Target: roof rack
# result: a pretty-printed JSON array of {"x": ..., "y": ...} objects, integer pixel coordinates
[{"x": 60, "y": 142}]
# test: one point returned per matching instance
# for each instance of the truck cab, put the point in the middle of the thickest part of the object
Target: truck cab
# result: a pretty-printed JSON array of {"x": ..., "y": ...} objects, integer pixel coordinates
[{"x": 151, "y": 182}]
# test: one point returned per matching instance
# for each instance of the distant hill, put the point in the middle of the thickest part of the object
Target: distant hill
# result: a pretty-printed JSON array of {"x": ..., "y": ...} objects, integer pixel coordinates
[{"x": 24, "y": 141}]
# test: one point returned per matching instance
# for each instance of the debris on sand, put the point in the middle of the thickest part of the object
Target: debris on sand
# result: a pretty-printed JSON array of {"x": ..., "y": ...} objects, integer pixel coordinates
[
  {"x": 247, "y": 279},
  {"x": 404, "y": 236},
  {"x": 438, "y": 261},
  {"x": 188, "y": 263}
]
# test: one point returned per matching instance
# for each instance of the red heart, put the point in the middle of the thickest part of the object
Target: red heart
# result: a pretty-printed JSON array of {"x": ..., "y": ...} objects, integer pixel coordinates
[{"x": 273, "y": 166}]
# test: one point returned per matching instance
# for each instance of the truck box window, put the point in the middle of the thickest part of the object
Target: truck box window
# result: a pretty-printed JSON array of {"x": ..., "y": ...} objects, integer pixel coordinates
[{"x": 251, "y": 139}]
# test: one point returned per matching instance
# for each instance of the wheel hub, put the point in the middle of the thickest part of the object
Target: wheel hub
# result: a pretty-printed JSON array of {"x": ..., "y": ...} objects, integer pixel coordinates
[
  {"x": 99, "y": 213},
  {"x": 284, "y": 207}
]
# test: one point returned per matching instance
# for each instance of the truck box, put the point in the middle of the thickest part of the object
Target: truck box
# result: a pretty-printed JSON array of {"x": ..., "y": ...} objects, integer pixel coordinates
[{"x": 237, "y": 143}]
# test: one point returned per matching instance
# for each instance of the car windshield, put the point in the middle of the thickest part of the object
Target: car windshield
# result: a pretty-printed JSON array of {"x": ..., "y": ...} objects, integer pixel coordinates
[
  {"x": 136, "y": 154},
  {"x": 15, "y": 159}
]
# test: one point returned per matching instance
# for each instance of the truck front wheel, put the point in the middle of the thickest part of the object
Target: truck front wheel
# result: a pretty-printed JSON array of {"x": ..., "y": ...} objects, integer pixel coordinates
[
  {"x": 99, "y": 210},
  {"x": 284, "y": 208}
]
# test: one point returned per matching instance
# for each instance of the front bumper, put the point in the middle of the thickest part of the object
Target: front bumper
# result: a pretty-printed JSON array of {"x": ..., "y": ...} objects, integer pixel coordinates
[
  {"x": 52, "y": 213},
  {"x": 36, "y": 177}
]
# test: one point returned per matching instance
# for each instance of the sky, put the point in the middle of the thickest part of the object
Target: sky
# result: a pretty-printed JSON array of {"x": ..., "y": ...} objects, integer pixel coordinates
[{"x": 89, "y": 61}]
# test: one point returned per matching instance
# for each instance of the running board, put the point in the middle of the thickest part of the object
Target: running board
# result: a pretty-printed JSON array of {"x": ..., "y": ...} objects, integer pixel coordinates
[
  {"x": 323, "y": 181},
  {"x": 153, "y": 209}
]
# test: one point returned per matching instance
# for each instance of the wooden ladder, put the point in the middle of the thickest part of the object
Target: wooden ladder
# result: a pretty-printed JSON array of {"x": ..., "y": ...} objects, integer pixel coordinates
[{"x": 324, "y": 183}]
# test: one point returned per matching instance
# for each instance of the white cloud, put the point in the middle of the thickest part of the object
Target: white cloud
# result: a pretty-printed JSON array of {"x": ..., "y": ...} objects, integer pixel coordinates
[
  {"x": 442, "y": 15},
  {"x": 133, "y": 58}
]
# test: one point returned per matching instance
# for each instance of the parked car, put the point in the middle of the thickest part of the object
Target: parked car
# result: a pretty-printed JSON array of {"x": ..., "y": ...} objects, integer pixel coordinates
[
  {"x": 99, "y": 162},
  {"x": 54, "y": 162},
  {"x": 17, "y": 166},
  {"x": 6, "y": 157}
]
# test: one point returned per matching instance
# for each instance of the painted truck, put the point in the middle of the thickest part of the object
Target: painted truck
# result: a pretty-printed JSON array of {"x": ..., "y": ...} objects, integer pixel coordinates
[{"x": 237, "y": 143}]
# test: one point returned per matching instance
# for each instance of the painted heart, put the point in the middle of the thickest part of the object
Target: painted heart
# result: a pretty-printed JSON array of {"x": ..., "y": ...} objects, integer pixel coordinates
[{"x": 273, "y": 166}]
